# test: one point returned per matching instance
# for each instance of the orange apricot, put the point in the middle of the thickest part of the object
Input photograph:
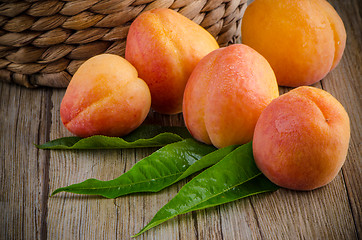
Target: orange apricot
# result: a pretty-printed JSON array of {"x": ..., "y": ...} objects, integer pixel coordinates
[
  {"x": 226, "y": 93},
  {"x": 303, "y": 40},
  {"x": 164, "y": 47},
  {"x": 301, "y": 139},
  {"x": 105, "y": 97}
]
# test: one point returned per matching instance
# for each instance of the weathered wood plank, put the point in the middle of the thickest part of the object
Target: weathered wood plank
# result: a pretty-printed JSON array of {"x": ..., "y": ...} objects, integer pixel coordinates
[
  {"x": 23, "y": 187},
  {"x": 320, "y": 214},
  {"x": 239, "y": 220},
  {"x": 345, "y": 83}
]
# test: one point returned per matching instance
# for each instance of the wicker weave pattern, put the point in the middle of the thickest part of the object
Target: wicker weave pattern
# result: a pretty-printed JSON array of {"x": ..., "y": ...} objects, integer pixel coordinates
[{"x": 44, "y": 42}]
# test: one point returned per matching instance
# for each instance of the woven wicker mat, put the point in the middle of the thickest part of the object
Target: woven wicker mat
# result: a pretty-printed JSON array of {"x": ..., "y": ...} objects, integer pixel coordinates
[{"x": 42, "y": 43}]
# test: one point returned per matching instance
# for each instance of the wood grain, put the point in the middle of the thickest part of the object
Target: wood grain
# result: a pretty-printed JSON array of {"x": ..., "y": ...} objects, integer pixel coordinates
[
  {"x": 27, "y": 176},
  {"x": 24, "y": 181}
]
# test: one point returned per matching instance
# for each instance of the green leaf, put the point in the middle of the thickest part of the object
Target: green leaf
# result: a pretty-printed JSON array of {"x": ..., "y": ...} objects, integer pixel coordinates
[
  {"x": 235, "y": 176},
  {"x": 164, "y": 167},
  {"x": 144, "y": 136}
]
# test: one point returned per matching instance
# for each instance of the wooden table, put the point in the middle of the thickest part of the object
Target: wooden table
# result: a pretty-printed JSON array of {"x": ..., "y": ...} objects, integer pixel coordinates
[{"x": 28, "y": 175}]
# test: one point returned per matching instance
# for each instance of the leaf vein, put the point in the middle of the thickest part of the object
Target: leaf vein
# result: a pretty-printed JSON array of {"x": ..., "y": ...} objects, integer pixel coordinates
[{"x": 116, "y": 186}]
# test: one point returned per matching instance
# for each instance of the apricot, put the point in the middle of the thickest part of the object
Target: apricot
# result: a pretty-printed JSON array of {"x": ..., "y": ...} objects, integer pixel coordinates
[
  {"x": 165, "y": 46},
  {"x": 303, "y": 40},
  {"x": 301, "y": 139},
  {"x": 105, "y": 97},
  {"x": 225, "y": 95}
]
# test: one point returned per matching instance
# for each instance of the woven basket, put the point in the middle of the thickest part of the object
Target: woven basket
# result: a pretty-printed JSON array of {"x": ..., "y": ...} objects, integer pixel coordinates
[{"x": 42, "y": 43}]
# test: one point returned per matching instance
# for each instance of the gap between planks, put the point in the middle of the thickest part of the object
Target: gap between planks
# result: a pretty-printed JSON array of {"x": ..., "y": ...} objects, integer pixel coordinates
[{"x": 46, "y": 164}]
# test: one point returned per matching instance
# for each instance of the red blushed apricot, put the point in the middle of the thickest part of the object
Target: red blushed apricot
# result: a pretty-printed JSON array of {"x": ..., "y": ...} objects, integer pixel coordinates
[
  {"x": 105, "y": 97},
  {"x": 301, "y": 139},
  {"x": 226, "y": 93},
  {"x": 164, "y": 47},
  {"x": 301, "y": 39}
]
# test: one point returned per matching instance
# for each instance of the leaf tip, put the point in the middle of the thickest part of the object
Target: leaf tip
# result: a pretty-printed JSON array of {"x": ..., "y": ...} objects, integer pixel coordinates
[
  {"x": 146, "y": 228},
  {"x": 137, "y": 234},
  {"x": 37, "y": 145},
  {"x": 56, "y": 191}
]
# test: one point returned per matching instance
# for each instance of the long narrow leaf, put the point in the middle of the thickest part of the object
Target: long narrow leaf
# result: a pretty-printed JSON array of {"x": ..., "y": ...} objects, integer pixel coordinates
[
  {"x": 164, "y": 167},
  {"x": 144, "y": 136},
  {"x": 234, "y": 177}
]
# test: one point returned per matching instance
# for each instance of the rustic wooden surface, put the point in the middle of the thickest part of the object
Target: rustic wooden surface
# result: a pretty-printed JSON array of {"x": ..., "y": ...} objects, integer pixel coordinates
[{"x": 28, "y": 175}]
